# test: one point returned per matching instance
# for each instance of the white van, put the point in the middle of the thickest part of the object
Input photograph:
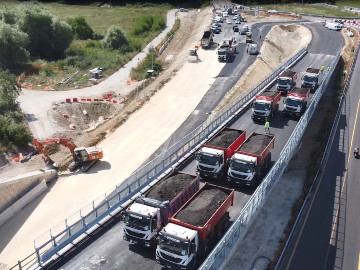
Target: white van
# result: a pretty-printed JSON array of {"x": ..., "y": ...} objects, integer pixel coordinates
[
  {"x": 333, "y": 26},
  {"x": 224, "y": 13},
  {"x": 253, "y": 49}
]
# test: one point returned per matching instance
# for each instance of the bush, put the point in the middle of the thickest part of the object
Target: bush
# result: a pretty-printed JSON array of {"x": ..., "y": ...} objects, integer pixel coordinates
[
  {"x": 47, "y": 70},
  {"x": 81, "y": 28},
  {"x": 92, "y": 44},
  {"x": 140, "y": 72},
  {"x": 115, "y": 39},
  {"x": 148, "y": 23}
]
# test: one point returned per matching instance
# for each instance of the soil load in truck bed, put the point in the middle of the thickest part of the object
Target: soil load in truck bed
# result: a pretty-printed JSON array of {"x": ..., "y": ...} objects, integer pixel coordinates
[
  {"x": 270, "y": 94},
  {"x": 202, "y": 207},
  {"x": 169, "y": 188},
  {"x": 225, "y": 139},
  {"x": 300, "y": 91},
  {"x": 255, "y": 144}
]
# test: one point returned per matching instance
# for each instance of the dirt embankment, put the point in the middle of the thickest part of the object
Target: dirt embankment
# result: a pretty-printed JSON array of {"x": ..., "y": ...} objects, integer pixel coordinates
[{"x": 280, "y": 43}]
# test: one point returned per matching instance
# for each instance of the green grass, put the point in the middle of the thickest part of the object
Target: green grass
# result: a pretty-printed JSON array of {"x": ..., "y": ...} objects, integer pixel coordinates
[
  {"x": 349, "y": 3},
  {"x": 310, "y": 9}
]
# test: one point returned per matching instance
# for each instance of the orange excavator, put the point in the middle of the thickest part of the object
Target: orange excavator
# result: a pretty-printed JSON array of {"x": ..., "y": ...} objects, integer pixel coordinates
[{"x": 83, "y": 157}]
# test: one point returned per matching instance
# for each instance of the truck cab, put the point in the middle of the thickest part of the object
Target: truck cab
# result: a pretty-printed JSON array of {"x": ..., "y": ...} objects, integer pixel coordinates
[
  {"x": 242, "y": 169},
  {"x": 296, "y": 102},
  {"x": 177, "y": 247},
  {"x": 309, "y": 80},
  {"x": 284, "y": 84},
  {"x": 210, "y": 162},
  {"x": 142, "y": 223},
  {"x": 261, "y": 108}
]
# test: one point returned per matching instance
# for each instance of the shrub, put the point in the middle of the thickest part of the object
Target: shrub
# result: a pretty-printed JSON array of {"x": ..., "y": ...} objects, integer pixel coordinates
[
  {"x": 92, "y": 44},
  {"x": 115, "y": 39},
  {"x": 47, "y": 70},
  {"x": 81, "y": 28},
  {"x": 148, "y": 23}
]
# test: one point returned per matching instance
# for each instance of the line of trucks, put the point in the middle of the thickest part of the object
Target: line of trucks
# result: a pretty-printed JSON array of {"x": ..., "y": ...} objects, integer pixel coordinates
[
  {"x": 185, "y": 221},
  {"x": 265, "y": 105}
]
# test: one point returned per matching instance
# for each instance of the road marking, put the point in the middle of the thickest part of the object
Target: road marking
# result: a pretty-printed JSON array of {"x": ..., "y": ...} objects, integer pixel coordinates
[{"x": 316, "y": 191}]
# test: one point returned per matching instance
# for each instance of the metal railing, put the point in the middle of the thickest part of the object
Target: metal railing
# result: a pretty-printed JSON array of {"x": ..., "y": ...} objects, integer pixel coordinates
[
  {"x": 120, "y": 196},
  {"x": 237, "y": 231},
  {"x": 326, "y": 152}
]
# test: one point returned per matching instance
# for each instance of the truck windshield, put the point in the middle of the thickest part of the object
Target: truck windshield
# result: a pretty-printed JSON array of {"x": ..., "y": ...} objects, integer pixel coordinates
[
  {"x": 309, "y": 79},
  {"x": 260, "y": 106},
  {"x": 174, "y": 245},
  {"x": 283, "y": 81},
  {"x": 293, "y": 102},
  {"x": 208, "y": 159},
  {"x": 241, "y": 166},
  {"x": 221, "y": 52},
  {"x": 137, "y": 222}
]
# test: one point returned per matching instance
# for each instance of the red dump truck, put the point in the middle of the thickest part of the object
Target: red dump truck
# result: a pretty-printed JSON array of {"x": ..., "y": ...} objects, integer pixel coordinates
[
  {"x": 286, "y": 81},
  {"x": 150, "y": 211},
  {"x": 195, "y": 228},
  {"x": 212, "y": 157},
  {"x": 296, "y": 102},
  {"x": 251, "y": 160},
  {"x": 265, "y": 105}
]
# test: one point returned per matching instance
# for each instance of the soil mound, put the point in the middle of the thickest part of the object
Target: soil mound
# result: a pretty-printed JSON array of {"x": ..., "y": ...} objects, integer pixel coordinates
[
  {"x": 202, "y": 207},
  {"x": 226, "y": 138},
  {"x": 169, "y": 188},
  {"x": 256, "y": 144}
]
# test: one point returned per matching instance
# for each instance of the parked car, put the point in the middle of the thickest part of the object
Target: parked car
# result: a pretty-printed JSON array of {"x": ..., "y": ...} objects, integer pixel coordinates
[
  {"x": 236, "y": 28},
  {"x": 272, "y": 11},
  {"x": 228, "y": 22},
  {"x": 238, "y": 21}
]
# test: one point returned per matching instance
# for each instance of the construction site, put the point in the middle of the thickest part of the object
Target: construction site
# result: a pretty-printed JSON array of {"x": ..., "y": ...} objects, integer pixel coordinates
[{"x": 87, "y": 141}]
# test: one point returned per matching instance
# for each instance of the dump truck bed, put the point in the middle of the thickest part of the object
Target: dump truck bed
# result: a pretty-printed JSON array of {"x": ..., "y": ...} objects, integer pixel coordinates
[
  {"x": 299, "y": 92},
  {"x": 204, "y": 210},
  {"x": 287, "y": 73},
  {"x": 257, "y": 145},
  {"x": 313, "y": 70}
]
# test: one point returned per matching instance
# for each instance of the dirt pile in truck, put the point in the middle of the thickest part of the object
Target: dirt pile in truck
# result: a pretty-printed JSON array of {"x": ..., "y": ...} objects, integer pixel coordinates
[
  {"x": 256, "y": 144},
  {"x": 168, "y": 188},
  {"x": 225, "y": 139},
  {"x": 199, "y": 210}
]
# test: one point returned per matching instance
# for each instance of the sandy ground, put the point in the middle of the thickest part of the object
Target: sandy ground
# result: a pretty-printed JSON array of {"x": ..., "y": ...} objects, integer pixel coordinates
[{"x": 281, "y": 43}]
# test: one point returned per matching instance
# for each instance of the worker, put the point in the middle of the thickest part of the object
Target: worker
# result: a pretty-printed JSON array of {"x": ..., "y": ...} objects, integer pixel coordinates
[
  {"x": 267, "y": 126},
  {"x": 322, "y": 69}
]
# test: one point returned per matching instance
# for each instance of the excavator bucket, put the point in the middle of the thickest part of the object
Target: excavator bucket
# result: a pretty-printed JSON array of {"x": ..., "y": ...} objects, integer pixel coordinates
[{"x": 50, "y": 164}]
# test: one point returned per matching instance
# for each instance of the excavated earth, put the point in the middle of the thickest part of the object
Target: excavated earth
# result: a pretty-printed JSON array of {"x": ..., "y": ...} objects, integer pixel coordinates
[
  {"x": 167, "y": 189},
  {"x": 256, "y": 144},
  {"x": 226, "y": 138},
  {"x": 82, "y": 116},
  {"x": 200, "y": 209}
]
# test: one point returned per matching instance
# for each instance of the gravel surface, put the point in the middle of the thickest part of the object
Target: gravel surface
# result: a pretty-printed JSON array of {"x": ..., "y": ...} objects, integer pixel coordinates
[
  {"x": 201, "y": 208},
  {"x": 256, "y": 143},
  {"x": 169, "y": 188},
  {"x": 225, "y": 138}
]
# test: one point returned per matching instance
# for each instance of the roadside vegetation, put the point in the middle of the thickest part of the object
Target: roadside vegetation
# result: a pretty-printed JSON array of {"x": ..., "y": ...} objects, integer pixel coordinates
[
  {"x": 90, "y": 37},
  {"x": 13, "y": 131}
]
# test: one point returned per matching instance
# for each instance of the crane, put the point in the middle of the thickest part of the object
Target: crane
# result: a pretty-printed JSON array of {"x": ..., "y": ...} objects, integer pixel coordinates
[{"x": 82, "y": 157}]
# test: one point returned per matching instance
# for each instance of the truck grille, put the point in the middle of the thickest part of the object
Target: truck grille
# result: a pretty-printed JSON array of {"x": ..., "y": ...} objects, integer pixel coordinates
[
  {"x": 240, "y": 176},
  {"x": 291, "y": 109},
  {"x": 259, "y": 113},
  {"x": 135, "y": 234},
  {"x": 205, "y": 168},
  {"x": 170, "y": 258}
]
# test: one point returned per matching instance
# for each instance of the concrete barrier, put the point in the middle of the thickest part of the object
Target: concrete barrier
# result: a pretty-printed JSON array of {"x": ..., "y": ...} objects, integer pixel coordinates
[{"x": 22, "y": 202}]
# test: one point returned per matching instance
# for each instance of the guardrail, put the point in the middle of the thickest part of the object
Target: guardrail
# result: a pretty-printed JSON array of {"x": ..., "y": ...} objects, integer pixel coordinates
[
  {"x": 247, "y": 215},
  {"x": 326, "y": 152},
  {"x": 103, "y": 208}
]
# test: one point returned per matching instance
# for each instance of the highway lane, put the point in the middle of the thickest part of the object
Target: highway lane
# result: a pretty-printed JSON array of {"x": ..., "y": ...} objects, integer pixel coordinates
[
  {"x": 328, "y": 235},
  {"x": 118, "y": 254}
]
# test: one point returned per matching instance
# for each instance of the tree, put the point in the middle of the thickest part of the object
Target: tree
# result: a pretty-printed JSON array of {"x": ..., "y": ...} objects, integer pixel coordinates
[
  {"x": 48, "y": 36},
  {"x": 81, "y": 28},
  {"x": 115, "y": 39},
  {"x": 9, "y": 91},
  {"x": 62, "y": 37},
  {"x": 13, "y": 45}
]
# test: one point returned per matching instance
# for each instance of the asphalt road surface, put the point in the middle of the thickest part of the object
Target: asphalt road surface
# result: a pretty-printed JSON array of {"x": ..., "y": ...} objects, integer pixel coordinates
[
  {"x": 328, "y": 235},
  {"x": 112, "y": 252}
]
